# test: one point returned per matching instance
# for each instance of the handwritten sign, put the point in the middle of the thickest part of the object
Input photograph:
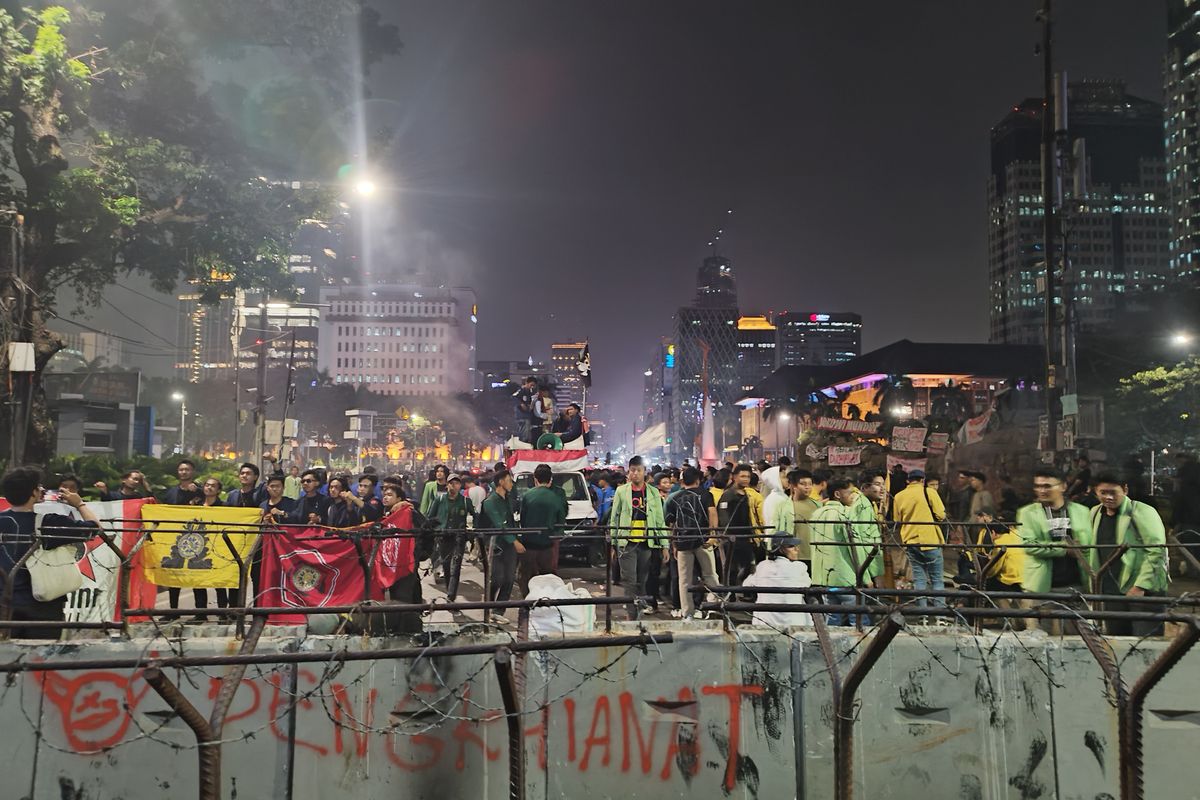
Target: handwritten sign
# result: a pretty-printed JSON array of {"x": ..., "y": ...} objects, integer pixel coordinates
[
  {"x": 845, "y": 456},
  {"x": 910, "y": 440},
  {"x": 855, "y": 426}
]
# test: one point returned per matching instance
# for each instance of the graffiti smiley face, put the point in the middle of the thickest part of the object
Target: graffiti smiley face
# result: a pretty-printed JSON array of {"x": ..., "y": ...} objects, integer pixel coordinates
[{"x": 95, "y": 707}]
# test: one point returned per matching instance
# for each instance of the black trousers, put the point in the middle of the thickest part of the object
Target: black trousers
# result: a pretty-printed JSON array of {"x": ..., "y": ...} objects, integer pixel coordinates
[
  {"x": 51, "y": 611},
  {"x": 1129, "y": 627},
  {"x": 503, "y": 573},
  {"x": 200, "y": 597}
]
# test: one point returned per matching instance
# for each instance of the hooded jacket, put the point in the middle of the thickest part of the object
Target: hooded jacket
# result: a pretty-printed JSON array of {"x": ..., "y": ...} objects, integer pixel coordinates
[
  {"x": 780, "y": 572},
  {"x": 1037, "y": 571}
]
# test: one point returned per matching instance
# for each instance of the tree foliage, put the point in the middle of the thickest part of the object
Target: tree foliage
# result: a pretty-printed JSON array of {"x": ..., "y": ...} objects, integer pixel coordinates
[
  {"x": 121, "y": 153},
  {"x": 1158, "y": 407}
]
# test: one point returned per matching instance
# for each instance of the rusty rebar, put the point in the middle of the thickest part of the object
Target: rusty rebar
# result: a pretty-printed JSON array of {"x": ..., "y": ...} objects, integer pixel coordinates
[
  {"x": 335, "y": 656},
  {"x": 209, "y": 756},
  {"x": 1130, "y": 721},
  {"x": 939, "y": 611},
  {"x": 509, "y": 694},
  {"x": 207, "y": 731},
  {"x": 843, "y": 717}
]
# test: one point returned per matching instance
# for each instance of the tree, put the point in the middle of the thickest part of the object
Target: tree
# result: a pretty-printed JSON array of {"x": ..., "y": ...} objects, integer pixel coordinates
[
  {"x": 116, "y": 158},
  {"x": 1158, "y": 407}
]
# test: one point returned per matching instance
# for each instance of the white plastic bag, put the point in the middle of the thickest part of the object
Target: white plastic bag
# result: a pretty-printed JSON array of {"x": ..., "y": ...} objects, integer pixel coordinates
[{"x": 557, "y": 621}]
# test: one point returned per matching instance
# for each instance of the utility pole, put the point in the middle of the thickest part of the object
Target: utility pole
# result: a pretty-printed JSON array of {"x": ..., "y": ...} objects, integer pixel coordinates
[
  {"x": 260, "y": 399},
  {"x": 1048, "y": 237}
]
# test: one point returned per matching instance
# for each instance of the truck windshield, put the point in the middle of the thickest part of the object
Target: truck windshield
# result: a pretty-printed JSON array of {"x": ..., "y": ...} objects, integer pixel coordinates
[{"x": 569, "y": 482}]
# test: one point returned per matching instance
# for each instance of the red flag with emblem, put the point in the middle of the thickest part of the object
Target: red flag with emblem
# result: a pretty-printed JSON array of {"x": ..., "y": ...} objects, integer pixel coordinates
[
  {"x": 302, "y": 568},
  {"x": 394, "y": 556}
]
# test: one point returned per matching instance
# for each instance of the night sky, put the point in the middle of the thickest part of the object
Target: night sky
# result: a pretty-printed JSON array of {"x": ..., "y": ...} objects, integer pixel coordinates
[{"x": 570, "y": 160}]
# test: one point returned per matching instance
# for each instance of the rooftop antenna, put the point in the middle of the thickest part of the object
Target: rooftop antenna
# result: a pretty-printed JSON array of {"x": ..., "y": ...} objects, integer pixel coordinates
[{"x": 715, "y": 241}]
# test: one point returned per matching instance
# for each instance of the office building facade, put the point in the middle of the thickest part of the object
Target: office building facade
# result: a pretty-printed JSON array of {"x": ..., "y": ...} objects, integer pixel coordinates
[
  {"x": 399, "y": 339},
  {"x": 706, "y": 340},
  {"x": 756, "y": 351},
  {"x": 1181, "y": 72},
  {"x": 817, "y": 337},
  {"x": 1114, "y": 220},
  {"x": 564, "y": 358}
]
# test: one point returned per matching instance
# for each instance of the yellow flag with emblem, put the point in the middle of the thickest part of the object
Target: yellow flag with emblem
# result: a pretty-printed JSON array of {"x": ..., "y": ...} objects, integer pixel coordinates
[{"x": 187, "y": 545}]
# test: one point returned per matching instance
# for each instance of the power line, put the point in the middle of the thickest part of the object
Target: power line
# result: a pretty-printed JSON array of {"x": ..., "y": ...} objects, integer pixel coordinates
[
  {"x": 113, "y": 335},
  {"x": 162, "y": 339},
  {"x": 162, "y": 303}
]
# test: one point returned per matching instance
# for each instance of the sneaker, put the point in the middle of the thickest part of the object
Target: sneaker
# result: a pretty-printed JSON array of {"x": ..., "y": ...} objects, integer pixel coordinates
[
  {"x": 677, "y": 614},
  {"x": 498, "y": 619},
  {"x": 943, "y": 622}
]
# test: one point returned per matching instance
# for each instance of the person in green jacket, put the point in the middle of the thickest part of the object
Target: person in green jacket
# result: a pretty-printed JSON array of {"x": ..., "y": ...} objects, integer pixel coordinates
[
  {"x": 848, "y": 518},
  {"x": 449, "y": 511},
  {"x": 1050, "y": 564},
  {"x": 543, "y": 515},
  {"x": 497, "y": 514},
  {"x": 1143, "y": 570},
  {"x": 637, "y": 525},
  {"x": 434, "y": 488},
  {"x": 793, "y": 516}
]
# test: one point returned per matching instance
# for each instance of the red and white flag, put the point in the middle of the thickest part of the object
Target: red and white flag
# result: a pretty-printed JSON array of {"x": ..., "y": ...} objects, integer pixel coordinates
[{"x": 96, "y": 599}]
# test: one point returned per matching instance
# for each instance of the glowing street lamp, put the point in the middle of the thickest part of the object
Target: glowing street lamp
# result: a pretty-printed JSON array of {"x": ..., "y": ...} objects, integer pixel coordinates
[
  {"x": 178, "y": 397},
  {"x": 364, "y": 187},
  {"x": 1181, "y": 339}
]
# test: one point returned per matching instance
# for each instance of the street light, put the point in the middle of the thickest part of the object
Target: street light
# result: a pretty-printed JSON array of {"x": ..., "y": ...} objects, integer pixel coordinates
[
  {"x": 1181, "y": 339},
  {"x": 364, "y": 187},
  {"x": 179, "y": 398}
]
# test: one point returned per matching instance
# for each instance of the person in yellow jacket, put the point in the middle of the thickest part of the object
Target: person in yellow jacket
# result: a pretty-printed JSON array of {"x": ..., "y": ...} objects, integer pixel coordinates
[{"x": 916, "y": 508}]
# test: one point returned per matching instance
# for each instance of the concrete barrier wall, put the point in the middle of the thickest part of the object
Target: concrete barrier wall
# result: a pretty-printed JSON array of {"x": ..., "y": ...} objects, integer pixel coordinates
[{"x": 713, "y": 715}]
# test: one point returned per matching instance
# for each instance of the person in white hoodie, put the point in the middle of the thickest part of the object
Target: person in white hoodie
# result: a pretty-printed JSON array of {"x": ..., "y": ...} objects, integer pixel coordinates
[
  {"x": 771, "y": 485},
  {"x": 782, "y": 568}
]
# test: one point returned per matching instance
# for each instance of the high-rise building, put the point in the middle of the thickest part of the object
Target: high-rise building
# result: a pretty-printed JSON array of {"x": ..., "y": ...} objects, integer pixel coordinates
[
  {"x": 288, "y": 331},
  {"x": 715, "y": 285},
  {"x": 706, "y": 345},
  {"x": 817, "y": 337},
  {"x": 756, "y": 353},
  {"x": 1114, "y": 216},
  {"x": 564, "y": 356},
  {"x": 399, "y": 339},
  {"x": 1181, "y": 72},
  {"x": 204, "y": 335}
]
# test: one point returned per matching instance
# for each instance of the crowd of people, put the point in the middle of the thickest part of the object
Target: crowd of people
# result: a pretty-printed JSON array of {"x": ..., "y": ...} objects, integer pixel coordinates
[{"x": 675, "y": 535}]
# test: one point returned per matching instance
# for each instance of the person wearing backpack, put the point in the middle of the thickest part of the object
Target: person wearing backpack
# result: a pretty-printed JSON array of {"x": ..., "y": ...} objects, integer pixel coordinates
[
  {"x": 692, "y": 516},
  {"x": 1142, "y": 570}
]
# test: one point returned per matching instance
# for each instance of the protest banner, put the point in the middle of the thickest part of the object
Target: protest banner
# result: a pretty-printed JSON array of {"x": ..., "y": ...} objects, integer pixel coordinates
[
  {"x": 856, "y": 426},
  {"x": 845, "y": 456},
  {"x": 911, "y": 440},
  {"x": 907, "y": 464},
  {"x": 186, "y": 547}
]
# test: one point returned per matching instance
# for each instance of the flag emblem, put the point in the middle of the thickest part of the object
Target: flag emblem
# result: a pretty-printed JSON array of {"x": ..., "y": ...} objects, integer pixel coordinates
[{"x": 306, "y": 578}]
